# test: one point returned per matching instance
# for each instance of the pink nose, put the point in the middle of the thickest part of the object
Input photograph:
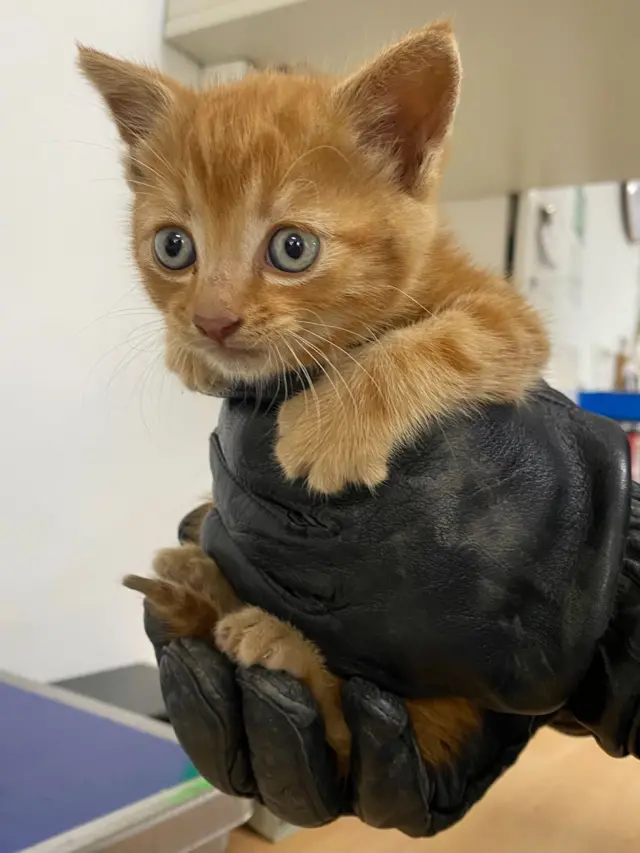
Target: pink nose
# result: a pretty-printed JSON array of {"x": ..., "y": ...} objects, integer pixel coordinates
[{"x": 218, "y": 328}]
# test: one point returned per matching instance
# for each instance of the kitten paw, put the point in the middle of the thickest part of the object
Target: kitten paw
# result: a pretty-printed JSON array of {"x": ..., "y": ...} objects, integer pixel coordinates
[
  {"x": 191, "y": 525},
  {"x": 329, "y": 453},
  {"x": 250, "y": 636},
  {"x": 168, "y": 602},
  {"x": 188, "y": 593}
]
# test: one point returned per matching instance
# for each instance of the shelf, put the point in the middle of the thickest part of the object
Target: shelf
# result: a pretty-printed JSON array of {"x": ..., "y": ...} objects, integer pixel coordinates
[
  {"x": 549, "y": 93},
  {"x": 185, "y": 17},
  {"x": 621, "y": 406}
]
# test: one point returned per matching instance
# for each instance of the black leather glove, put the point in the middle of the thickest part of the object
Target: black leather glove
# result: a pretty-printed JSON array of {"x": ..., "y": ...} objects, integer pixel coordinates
[
  {"x": 256, "y": 733},
  {"x": 487, "y": 566},
  {"x": 607, "y": 700},
  {"x": 529, "y": 602}
]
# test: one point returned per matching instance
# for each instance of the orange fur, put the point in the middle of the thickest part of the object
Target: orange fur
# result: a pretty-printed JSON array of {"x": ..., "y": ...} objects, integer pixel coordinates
[{"x": 402, "y": 325}]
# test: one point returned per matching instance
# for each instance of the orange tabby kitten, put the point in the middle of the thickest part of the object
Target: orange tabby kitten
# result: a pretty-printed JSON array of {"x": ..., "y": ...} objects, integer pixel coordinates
[{"x": 288, "y": 221}]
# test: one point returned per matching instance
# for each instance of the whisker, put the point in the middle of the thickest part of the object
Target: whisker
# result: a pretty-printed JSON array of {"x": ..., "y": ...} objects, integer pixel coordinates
[
  {"x": 304, "y": 344},
  {"x": 133, "y": 159},
  {"x": 383, "y": 395},
  {"x": 153, "y": 171},
  {"x": 284, "y": 376},
  {"x": 142, "y": 384},
  {"x": 272, "y": 349},
  {"x": 309, "y": 380},
  {"x": 354, "y": 360},
  {"x": 121, "y": 367},
  {"x": 296, "y": 360},
  {"x": 142, "y": 184},
  {"x": 130, "y": 353},
  {"x": 308, "y": 154},
  {"x": 339, "y": 329},
  {"x": 302, "y": 182},
  {"x": 121, "y": 314},
  {"x": 150, "y": 326},
  {"x": 413, "y": 299},
  {"x": 374, "y": 334},
  {"x": 172, "y": 169},
  {"x": 90, "y": 144}
]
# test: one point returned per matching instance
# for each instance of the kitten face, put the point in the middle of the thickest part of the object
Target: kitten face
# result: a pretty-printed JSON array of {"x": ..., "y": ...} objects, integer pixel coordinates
[{"x": 273, "y": 224}]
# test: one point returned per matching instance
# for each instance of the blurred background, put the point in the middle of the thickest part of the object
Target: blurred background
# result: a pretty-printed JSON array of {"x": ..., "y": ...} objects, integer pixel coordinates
[{"x": 100, "y": 452}]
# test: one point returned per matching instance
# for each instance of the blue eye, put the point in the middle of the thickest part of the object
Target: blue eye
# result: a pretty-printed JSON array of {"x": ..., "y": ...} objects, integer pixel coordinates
[
  {"x": 174, "y": 248},
  {"x": 292, "y": 250}
]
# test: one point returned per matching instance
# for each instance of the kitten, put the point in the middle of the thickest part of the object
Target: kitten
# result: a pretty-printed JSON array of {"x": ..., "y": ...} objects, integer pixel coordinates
[{"x": 289, "y": 222}]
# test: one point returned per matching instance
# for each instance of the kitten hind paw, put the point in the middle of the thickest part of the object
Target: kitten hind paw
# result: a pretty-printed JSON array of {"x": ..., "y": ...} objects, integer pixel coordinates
[
  {"x": 250, "y": 636},
  {"x": 183, "y": 612}
]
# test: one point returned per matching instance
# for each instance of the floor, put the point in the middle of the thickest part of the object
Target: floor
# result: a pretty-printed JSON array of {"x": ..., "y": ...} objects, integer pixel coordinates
[{"x": 563, "y": 796}]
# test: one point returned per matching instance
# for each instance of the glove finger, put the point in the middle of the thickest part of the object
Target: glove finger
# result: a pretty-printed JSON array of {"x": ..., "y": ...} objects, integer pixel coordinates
[
  {"x": 391, "y": 783},
  {"x": 395, "y": 788},
  {"x": 204, "y": 705},
  {"x": 294, "y": 767},
  {"x": 486, "y": 757}
]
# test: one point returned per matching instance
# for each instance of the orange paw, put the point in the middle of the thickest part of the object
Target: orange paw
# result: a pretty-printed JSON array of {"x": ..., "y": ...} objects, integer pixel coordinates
[
  {"x": 250, "y": 636},
  {"x": 328, "y": 445}
]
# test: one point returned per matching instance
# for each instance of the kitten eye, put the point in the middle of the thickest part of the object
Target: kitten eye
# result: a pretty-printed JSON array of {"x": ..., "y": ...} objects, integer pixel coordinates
[
  {"x": 174, "y": 249},
  {"x": 291, "y": 250}
]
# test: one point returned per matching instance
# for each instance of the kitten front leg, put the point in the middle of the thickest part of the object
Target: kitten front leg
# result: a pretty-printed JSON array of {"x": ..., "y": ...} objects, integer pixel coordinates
[
  {"x": 329, "y": 435},
  {"x": 485, "y": 346}
]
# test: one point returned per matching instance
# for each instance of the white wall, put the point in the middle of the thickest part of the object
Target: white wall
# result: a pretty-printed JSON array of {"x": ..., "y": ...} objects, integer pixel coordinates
[
  {"x": 481, "y": 226},
  {"x": 99, "y": 456}
]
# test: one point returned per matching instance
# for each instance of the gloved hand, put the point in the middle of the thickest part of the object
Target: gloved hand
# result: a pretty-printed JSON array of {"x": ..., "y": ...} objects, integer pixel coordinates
[
  {"x": 607, "y": 700},
  {"x": 257, "y": 733},
  {"x": 487, "y": 566},
  {"x": 545, "y": 490}
]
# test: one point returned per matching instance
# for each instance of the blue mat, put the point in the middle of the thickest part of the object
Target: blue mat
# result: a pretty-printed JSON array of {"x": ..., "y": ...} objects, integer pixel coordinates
[{"x": 61, "y": 767}]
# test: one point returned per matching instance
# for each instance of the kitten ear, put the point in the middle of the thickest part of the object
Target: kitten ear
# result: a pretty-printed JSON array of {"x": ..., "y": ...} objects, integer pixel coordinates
[
  {"x": 135, "y": 95},
  {"x": 404, "y": 101}
]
